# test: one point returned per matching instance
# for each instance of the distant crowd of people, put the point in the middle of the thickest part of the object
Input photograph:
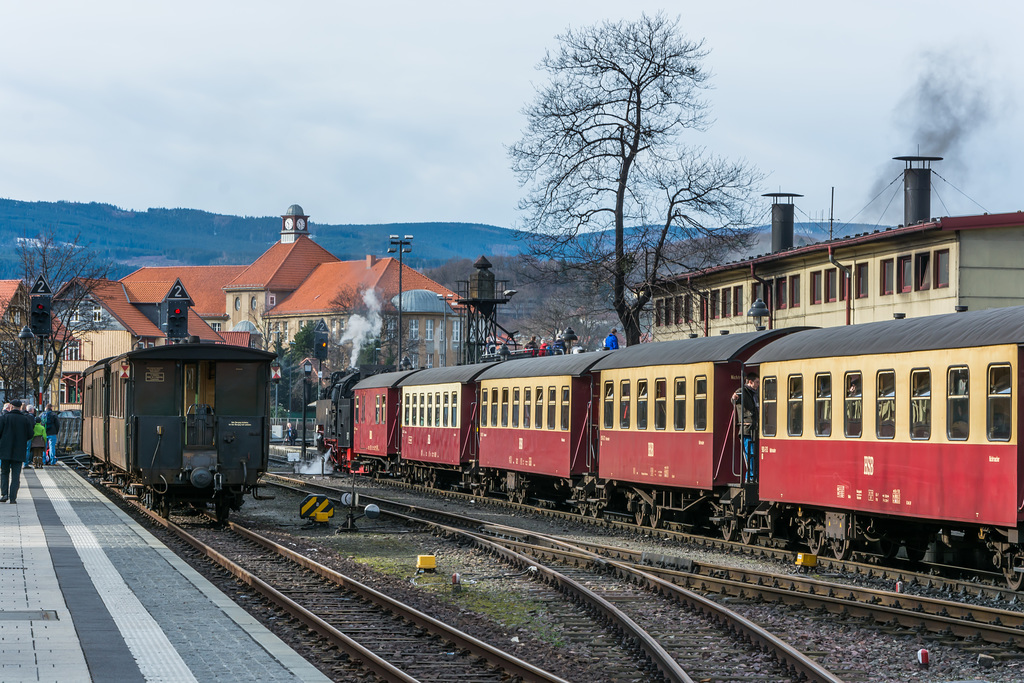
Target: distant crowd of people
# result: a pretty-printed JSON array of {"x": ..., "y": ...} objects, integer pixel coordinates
[
  {"x": 557, "y": 346},
  {"x": 25, "y": 437}
]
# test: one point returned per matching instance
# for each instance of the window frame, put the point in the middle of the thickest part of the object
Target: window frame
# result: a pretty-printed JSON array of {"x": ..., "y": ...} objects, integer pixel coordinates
[
  {"x": 679, "y": 404},
  {"x": 991, "y": 396},
  {"x": 795, "y": 405},
  {"x": 816, "y": 287},
  {"x": 853, "y": 405},
  {"x": 886, "y": 277},
  {"x": 823, "y": 404},
  {"x": 794, "y": 291},
  {"x": 625, "y": 399},
  {"x": 700, "y": 403},
  {"x": 954, "y": 399},
  {"x": 885, "y": 399},
  {"x": 769, "y": 406},
  {"x": 863, "y": 278},
  {"x": 920, "y": 430}
]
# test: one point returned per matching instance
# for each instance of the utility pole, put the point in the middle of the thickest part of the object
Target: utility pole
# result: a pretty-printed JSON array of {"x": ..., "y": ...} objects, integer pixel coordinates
[{"x": 399, "y": 245}]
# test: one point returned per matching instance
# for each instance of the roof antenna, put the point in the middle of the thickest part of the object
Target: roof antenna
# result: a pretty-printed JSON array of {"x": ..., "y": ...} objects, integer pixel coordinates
[{"x": 831, "y": 213}]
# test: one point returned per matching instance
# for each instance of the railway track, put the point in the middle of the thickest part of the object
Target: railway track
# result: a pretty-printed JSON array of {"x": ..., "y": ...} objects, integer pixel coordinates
[
  {"x": 702, "y": 641},
  {"x": 392, "y": 641},
  {"x": 984, "y": 623}
]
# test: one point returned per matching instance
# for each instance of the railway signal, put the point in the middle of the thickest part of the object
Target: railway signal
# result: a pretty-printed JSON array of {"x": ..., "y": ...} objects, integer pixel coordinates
[
  {"x": 40, "y": 315},
  {"x": 175, "y": 311},
  {"x": 320, "y": 339}
]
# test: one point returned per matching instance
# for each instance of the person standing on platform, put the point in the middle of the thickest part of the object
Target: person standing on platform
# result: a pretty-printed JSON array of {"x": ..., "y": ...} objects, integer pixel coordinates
[
  {"x": 611, "y": 342},
  {"x": 52, "y": 423},
  {"x": 15, "y": 432}
]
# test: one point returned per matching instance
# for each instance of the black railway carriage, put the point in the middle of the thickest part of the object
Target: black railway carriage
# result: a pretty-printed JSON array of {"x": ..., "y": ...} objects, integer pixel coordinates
[{"x": 185, "y": 422}]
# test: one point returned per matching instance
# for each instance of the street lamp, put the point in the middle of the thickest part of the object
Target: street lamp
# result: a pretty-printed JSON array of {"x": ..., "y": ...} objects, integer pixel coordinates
[
  {"x": 398, "y": 245},
  {"x": 307, "y": 369},
  {"x": 24, "y": 336},
  {"x": 569, "y": 337},
  {"x": 758, "y": 311},
  {"x": 444, "y": 327}
]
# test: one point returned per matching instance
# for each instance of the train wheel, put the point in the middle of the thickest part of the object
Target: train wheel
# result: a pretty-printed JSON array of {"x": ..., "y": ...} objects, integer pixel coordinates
[
  {"x": 642, "y": 514},
  {"x": 816, "y": 541},
  {"x": 1014, "y": 579},
  {"x": 730, "y": 528},
  {"x": 748, "y": 537},
  {"x": 656, "y": 517},
  {"x": 842, "y": 548}
]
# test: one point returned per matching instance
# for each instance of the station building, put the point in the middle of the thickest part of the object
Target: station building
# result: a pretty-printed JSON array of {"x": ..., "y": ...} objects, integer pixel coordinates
[{"x": 924, "y": 267}]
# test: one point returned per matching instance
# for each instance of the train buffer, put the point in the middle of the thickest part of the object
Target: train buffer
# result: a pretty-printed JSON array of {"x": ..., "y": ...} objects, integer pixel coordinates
[{"x": 316, "y": 508}]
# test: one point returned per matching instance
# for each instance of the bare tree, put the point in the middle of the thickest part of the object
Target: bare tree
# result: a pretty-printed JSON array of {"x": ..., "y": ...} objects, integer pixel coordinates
[
  {"x": 62, "y": 262},
  {"x": 613, "y": 188}
]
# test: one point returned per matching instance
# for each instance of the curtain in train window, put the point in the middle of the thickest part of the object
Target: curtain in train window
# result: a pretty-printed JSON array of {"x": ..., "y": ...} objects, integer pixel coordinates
[
  {"x": 552, "y": 403},
  {"x": 769, "y": 406},
  {"x": 515, "y": 407},
  {"x": 609, "y": 404},
  {"x": 920, "y": 404},
  {"x": 504, "y": 406},
  {"x": 958, "y": 404},
  {"x": 376, "y": 409},
  {"x": 1000, "y": 417},
  {"x": 455, "y": 409},
  {"x": 565, "y": 409},
  {"x": 430, "y": 410},
  {"x": 406, "y": 402},
  {"x": 444, "y": 411},
  {"x": 885, "y": 406},
  {"x": 641, "y": 404},
  {"x": 527, "y": 406},
  {"x": 494, "y": 407},
  {"x": 483, "y": 407},
  {"x": 660, "y": 403},
  {"x": 853, "y": 413},
  {"x": 624, "y": 405},
  {"x": 823, "y": 404},
  {"x": 423, "y": 410},
  {"x": 679, "y": 409},
  {"x": 795, "y": 406},
  {"x": 700, "y": 403},
  {"x": 437, "y": 409}
]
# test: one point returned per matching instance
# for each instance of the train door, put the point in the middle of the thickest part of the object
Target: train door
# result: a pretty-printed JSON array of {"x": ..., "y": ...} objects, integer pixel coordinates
[
  {"x": 239, "y": 391},
  {"x": 199, "y": 395}
]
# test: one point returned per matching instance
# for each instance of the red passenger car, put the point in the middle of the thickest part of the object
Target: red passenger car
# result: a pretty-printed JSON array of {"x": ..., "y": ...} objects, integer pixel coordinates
[
  {"x": 375, "y": 429},
  {"x": 438, "y": 416},
  {"x": 535, "y": 418},
  {"x": 899, "y": 433}
]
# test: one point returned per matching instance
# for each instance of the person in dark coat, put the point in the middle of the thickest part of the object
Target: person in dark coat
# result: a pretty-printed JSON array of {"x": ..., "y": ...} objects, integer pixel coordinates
[
  {"x": 15, "y": 432},
  {"x": 52, "y": 423},
  {"x": 747, "y": 406}
]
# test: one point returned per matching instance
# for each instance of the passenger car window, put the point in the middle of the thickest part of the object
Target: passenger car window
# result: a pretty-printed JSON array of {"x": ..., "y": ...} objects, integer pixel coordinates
[
  {"x": 920, "y": 404},
  {"x": 1000, "y": 417},
  {"x": 853, "y": 411},
  {"x": 769, "y": 406},
  {"x": 700, "y": 403},
  {"x": 679, "y": 416},
  {"x": 823, "y": 404},
  {"x": 885, "y": 404},
  {"x": 958, "y": 404},
  {"x": 795, "y": 406}
]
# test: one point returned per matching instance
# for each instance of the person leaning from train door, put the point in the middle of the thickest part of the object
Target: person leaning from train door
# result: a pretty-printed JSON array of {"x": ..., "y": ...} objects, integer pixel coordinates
[
  {"x": 746, "y": 401},
  {"x": 15, "y": 432}
]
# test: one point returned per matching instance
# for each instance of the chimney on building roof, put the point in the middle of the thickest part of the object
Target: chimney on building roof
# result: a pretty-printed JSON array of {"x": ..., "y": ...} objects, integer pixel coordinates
[
  {"x": 917, "y": 189},
  {"x": 782, "y": 219},
  {"x": 371, "y": 261}
]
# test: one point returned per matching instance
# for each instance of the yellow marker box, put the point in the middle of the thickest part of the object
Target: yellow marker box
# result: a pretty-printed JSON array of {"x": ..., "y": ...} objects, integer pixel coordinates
[
  {"x": 426, "y": 562},
  {"x": 806, "y": 560}
]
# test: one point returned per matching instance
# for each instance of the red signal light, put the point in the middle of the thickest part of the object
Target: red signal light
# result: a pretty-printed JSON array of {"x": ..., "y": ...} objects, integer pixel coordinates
[
  {"x": 40, "y": 307},
  {"x": 177, "y": 311}
]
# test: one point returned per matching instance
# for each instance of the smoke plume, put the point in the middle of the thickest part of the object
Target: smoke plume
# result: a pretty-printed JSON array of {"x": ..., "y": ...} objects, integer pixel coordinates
[{"x": 362, "y": 328}]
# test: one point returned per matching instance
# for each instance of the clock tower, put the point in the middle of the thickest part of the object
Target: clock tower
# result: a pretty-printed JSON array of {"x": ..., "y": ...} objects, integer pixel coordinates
[{"x": 293, "y": 223}]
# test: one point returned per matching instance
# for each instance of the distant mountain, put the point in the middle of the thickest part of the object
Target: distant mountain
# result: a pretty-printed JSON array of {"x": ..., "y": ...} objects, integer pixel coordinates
[{"x": 166, "y": 237}]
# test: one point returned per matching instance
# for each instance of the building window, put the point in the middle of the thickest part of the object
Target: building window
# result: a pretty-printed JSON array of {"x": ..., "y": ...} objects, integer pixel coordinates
[
  {"x": 688, "y": 308},
  {"x": 726, "y": 303},
  {"x": 252, "y": 303},
  {"x": 97, "y": 313},
  {"x": 238, "y": 303},
  {"x": 414, "y": 329},
  {"x": 794, "y": 291},
  {"x": 905, "y": 281},
  {"x": 215, "y": 326},
  {"x": 456, "y": 330},
  {"x": 659, "y": 305},
  {"x": 756, "y": 292},
  {"x": 429, "y": 331},
  {"x": 72, "y": 351},
  {"x": 781, "y": 292},
  {"x": 816, "y": 287},
  {"x": 76, "y": 316},
  {"x": 271, "y": 299},
  {"x": 737, "y": 300},
  {"x": 830, "y": 285},
  {"x": 922, "y": 271},
  {"x": 885, "y": 277},
  {"x": 958, "y": 404},
  {"x": 862, "y": 280},
  {"x": 69, "y": 388},
  {"x": 942, "y": 269},
  {"x": 715, "y": 310}
]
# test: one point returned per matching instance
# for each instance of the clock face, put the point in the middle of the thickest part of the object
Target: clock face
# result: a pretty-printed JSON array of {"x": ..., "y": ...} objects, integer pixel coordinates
[
  {"x": 288, "y": 223},
  {"x": 300, "y": 224}
]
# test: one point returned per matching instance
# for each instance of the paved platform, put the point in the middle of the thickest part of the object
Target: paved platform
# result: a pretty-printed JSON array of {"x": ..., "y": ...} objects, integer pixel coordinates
[{"x": 86, "y": 594}]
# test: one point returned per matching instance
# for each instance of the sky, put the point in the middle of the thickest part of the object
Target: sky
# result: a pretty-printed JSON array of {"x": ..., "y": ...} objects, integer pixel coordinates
[{"x": 402, "y": 111}]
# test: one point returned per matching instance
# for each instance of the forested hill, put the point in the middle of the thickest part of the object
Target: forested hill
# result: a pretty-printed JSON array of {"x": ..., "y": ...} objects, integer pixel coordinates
[{"x": 163, "y": 237}]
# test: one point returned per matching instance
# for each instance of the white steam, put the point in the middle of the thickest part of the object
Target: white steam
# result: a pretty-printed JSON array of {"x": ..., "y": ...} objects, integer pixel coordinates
[{"x": 361, "y": 329}]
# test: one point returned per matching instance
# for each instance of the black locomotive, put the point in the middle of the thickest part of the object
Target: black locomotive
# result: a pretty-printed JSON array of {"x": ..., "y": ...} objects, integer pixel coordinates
[{"x": 182, "y": 423}]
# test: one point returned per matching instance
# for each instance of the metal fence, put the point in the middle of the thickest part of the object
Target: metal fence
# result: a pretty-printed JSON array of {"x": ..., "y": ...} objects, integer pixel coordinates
[{"x": 69, "y": 438}]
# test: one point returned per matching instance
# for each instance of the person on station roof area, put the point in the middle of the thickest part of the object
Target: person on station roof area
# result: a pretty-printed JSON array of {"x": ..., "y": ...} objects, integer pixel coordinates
[
  {"x": 611, "y": 342},
  {"x": 559, "y": 346},
  {"x": 15, "y": 432},
  {"x": 531, "y": 346},
  {"x": 543, "y": 351}
]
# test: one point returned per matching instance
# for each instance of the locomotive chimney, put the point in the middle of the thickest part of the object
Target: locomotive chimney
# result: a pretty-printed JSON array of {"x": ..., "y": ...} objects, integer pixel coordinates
[
  {"x": 782, "y": 219},
  {"x": 917, "y": 189}
]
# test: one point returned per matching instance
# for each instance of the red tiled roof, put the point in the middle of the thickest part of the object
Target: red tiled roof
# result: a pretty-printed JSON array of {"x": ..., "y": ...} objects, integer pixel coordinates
[
  {"x": 237, "y": 338},
  {"x": 283, "y": 267},
  {"x": 341, "y": 279},
  {"x": 8, "y": 288},
  {"x": 205, "y": 284}
]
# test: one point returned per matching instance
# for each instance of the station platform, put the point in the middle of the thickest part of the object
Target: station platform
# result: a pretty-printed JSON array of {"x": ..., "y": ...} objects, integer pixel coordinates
[{"x": 86, "y": 594}]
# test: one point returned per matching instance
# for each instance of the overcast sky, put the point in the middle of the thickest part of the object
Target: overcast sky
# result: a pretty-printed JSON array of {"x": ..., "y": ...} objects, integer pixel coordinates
[{"x": 401, "y": 111}]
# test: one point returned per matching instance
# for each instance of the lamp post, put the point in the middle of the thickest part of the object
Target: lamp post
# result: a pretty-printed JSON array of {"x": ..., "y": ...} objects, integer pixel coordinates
[
  {"x": 569, "y": 337},
  {"x": 758, "y": 311},
  {"x": 398, "y": 245},
  {"x": 307, "y": 369},
  {"x": 24, "y": 336},
  {"x": 444, "y": 327}
]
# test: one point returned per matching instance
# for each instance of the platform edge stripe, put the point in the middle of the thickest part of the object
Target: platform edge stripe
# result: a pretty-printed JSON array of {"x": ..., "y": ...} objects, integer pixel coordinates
[
  {"x": 291, "y": 660},
  {"x": 156, "y": 656}
]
